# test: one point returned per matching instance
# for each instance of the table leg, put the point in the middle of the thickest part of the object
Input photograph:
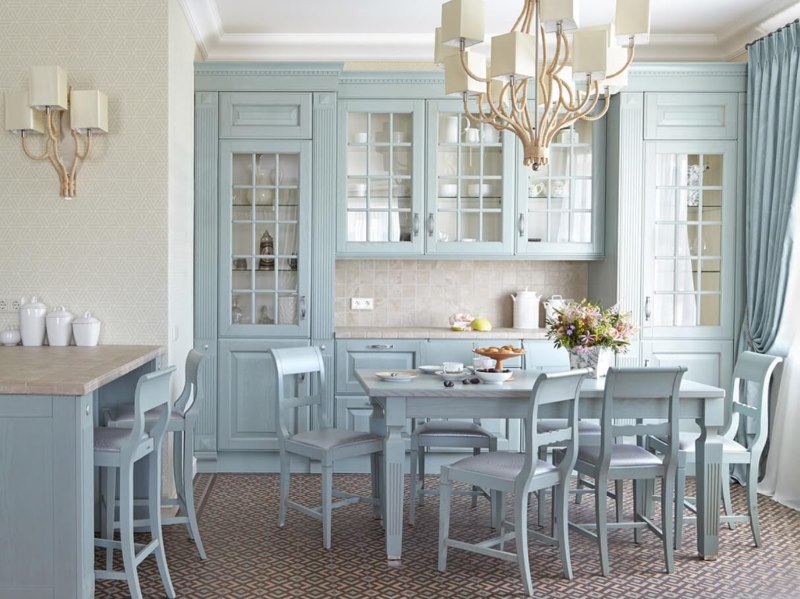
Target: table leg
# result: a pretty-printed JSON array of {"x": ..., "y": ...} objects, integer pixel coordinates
[
  {"x": 708, "y": 449},
  {"x": 377, "y": 426},
  {"x": 394, "y": 458}
]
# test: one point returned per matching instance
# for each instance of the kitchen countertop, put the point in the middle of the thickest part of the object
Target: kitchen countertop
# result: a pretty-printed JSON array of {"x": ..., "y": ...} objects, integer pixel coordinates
[
  {"x": 68, "y": 370},
  {"x": 434, "y": 333}
]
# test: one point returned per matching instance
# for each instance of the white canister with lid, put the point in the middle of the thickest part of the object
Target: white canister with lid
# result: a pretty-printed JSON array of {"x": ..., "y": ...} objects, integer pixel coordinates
[
  {"x": 86, "y": 329},
  {"x": 526, "y": 309},
  {"x": 31, "y": 322},
  {"x": 59, "y": 327},
  {"x": 556, "y": 302}
]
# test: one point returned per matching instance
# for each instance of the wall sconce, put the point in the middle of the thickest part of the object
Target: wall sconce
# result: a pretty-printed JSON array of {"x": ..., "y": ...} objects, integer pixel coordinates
[{"x": 50, "y": 108}]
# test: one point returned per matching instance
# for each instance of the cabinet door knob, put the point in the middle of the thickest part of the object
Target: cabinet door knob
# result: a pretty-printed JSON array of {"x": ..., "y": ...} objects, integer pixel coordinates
[
  {"x": 430, "y": 224},
  {"x": 521, "y": 224},
  {"x": 380, "y": 346},
  {"x": 302, "y": 307},
  {"x": 88, "y": 410},
  {"x": 648, "y": 310},
  {"x": 415, "y": 226},
  {"x": 322, "y": 348}
]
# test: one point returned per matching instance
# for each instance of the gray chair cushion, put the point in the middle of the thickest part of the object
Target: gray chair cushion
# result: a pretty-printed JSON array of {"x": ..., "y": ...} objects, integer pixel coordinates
[
  {"x": 123, "y": 417},
  {"x": 502, "y": 464},
  {"x": 687, "y": 440},
  {"x": 110, "y": 439},
  {"x": 546, "y": 425},
  {"x": 328, "y": 438},
  {"x": 621, "y": 456},
  {"x": 452, "y": 428}
]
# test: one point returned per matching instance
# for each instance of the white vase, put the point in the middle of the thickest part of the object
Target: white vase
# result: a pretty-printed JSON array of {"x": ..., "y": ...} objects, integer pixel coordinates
[{"x": 597, "y": 359}]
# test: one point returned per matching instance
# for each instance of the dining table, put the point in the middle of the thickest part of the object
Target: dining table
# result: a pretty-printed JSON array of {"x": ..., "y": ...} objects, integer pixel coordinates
[{"x": 425, "y": 396}]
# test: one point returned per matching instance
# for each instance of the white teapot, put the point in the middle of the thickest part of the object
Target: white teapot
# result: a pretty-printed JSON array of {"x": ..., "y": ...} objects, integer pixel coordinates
[{"x": 526, "y": 309}]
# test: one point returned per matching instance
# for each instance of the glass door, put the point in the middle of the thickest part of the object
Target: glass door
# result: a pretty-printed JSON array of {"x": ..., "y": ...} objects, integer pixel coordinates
[
  {"x": 560, "y": 207},
  {"x": 689, "y": 218},
  {"x": 381, "y": 186},
  {"x": 264, "y": 272},
  {"x": 470, "y": 191}
]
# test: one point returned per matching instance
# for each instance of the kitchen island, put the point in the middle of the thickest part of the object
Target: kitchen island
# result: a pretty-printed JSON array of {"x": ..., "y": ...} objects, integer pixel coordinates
[{"x": 49, "y": 400}]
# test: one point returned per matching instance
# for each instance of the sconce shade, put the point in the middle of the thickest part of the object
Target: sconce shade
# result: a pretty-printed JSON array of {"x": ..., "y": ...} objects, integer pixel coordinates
[
  {"x": 513, "y": 54},
  {"x": 590, "y": 52},
  {"x": 20, "y": 116},
  {"x": 440, "y": 50},
  {"x": 48, "y": 87},
  {"x": 462, "y": 19},
  {"x": 456, "y": 80},
  {"x": 553, "y": 11},
  {"x": 633, "y": 20},
  {"x": 88, "y": 110}
]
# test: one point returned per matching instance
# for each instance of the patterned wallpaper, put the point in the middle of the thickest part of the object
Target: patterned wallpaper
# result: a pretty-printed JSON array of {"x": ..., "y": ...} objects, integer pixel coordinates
[
  {"x": 106, "y": 251},
  {"x": 425, "y": 293}
]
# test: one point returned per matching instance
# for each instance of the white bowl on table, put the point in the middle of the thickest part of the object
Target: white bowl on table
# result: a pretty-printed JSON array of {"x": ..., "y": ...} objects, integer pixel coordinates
[{"x": 493, "y": 378}]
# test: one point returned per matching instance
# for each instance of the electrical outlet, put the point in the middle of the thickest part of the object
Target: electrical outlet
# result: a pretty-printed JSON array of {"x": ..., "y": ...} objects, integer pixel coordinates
[
  {"x": 361, "y": 303},
  {"x": 15, "y": 305},
  {"x": 7, "y": 305},
  {"x": 3, "y": 305}
]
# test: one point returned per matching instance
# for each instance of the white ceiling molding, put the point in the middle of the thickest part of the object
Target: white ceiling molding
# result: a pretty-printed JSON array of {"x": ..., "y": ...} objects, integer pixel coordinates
[{"x": 215, "y": 44}]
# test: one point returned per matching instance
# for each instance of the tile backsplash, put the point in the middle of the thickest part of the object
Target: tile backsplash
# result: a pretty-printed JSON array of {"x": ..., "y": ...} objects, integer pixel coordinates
[{"x": 425, "y": 293}]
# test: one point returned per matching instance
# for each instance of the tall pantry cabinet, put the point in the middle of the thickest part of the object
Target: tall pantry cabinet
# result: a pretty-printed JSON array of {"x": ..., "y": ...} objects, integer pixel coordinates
[{"x": 674, "y": 225}]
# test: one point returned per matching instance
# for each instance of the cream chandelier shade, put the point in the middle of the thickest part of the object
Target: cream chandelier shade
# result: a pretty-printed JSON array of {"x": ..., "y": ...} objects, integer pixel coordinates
[
  {"x": 50, "y": 108},
  {"x": 530, "y": 87}
]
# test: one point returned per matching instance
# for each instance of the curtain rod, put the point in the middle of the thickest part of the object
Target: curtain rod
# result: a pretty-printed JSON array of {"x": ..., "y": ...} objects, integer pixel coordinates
[{"x": 747, "y": 46}]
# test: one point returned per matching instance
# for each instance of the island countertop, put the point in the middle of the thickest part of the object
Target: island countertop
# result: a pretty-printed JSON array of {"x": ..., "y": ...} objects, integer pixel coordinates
[
  {"x": 377, "y": 332},
  {"x": 68, "y": 370}
]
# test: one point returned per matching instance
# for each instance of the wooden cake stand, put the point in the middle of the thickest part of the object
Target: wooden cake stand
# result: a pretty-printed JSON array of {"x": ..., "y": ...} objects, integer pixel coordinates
[{"x": 498, "y": 357}]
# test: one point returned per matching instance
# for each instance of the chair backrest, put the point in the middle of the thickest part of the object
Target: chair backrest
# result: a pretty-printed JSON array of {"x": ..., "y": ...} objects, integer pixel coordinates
[
  {"x": 306, "y": 362},
  {"x": 188, "y": 399},
  {"x": 752, "y": 374},
  {"x": 561, "y": 391},
  {"x": 643, "y": 386},
  {"x": 152, "y": 391}
]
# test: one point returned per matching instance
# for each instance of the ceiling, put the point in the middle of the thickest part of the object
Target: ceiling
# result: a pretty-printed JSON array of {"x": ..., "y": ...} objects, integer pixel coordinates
[{"x": 383, "y": 30}]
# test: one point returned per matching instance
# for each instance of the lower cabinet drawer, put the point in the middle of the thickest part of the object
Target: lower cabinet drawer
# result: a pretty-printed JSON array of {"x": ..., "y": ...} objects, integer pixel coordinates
[{"x": 376, "y": 354}]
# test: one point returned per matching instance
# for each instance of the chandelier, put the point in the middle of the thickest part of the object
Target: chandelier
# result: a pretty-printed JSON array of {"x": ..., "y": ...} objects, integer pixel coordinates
[{"x": 527, "y": 90}]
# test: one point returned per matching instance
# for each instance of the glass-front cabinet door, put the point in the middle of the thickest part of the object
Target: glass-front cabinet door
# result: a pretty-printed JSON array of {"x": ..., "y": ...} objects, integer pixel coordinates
[
  {"x": 561, "y": 204},
  {"x": 470, "y": 207},
  {"x": 264, "y": 241},
  {"x": 380, "y": 177},
  {"x": 689, "y": 237}
]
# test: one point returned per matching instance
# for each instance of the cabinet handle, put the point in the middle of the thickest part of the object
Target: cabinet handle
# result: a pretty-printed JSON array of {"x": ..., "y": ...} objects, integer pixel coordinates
[
  {"x": 88, "y": 410},
  {"x": 521, "y": 225},
  {"x": 415, "y": 226},
  {"x": 380, "y": 346},
  {"x": 302, "y": 307},
  {"x": 322, "y": 348},
  {"x": 430, "y": 224},
  {"x": 648, "y": 311},
  {"x": 205, "y": 346},
  {"x": 646, "y": 363}
]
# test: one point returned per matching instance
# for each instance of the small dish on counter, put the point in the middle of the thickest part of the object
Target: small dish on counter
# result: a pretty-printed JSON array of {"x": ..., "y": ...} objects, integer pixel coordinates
[
  {"x": 453, "y": 376},
  {"x": 493, "y": 376},
  {"x": 428, "y": 369},
  {"x": 397, "y": 376}
]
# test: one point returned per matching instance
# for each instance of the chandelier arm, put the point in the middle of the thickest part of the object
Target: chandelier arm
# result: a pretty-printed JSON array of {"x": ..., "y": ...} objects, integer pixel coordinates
[
  {"x": 54, "y": 133},
  {"x": 601, "y": 114},
  {"x": 85, "y": 154},
  {"x": 627, "y": 62},
  {"x": 507, "y": 123},
  {"x": 467, "y": 70},
  {"x": 31, "y": 155},
  {"x": 526, "y": 16}
]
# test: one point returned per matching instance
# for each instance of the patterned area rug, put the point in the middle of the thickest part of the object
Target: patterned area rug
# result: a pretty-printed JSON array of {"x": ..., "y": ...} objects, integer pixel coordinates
[{"x": 250, "y": 557}]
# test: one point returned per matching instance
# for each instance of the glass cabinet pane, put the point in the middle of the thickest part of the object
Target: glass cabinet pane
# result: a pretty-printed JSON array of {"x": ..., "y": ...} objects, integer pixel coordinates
[
  {"x": 688, "y": 239},
  {"x": 468, "y": 189},
  {"x": 379, "y": 176},
  {"x": 264, "y": 243},
  {"x": 560, "y": 206}
]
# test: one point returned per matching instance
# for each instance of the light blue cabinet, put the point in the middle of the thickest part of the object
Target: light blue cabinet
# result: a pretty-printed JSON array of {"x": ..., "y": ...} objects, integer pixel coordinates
[{"x": 691, "y": 116}]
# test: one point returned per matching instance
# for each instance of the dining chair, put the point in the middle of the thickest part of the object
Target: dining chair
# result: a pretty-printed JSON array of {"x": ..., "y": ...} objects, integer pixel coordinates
[
  {"x": 443, "y": 433},
  {"x": 520, "y": 474},
  {"x": 115, "y": 452},
  {"x": 325, "y": 444},
  {"x": 614, "y": 461},
  {"x": 181, "y": 423},
  {"x": 752, "y": 371}
]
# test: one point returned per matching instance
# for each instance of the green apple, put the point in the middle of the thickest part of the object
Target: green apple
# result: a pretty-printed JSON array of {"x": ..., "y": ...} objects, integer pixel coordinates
[{"x": 481, "y": 324}]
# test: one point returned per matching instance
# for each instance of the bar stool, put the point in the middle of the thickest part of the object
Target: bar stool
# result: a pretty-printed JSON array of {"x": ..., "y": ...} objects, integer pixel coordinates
[
  {"x": 118, "y": 450},
  {"x": 181, "y": 423}
]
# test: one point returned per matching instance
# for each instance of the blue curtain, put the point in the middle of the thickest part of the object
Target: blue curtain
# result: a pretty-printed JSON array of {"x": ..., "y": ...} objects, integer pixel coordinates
[
  {"x": 773, "y": 162},
  {"x": 773, "y": 186}
]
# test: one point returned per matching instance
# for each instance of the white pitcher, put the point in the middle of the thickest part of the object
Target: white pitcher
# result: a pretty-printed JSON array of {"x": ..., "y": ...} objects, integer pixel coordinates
[{"x": 526, "y": 309}]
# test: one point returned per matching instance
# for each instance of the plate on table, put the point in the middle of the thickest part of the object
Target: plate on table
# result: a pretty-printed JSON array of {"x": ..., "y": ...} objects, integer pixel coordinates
[
  {"x": 397, "y": 376},
  {"x": 428, "y": 369}
]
